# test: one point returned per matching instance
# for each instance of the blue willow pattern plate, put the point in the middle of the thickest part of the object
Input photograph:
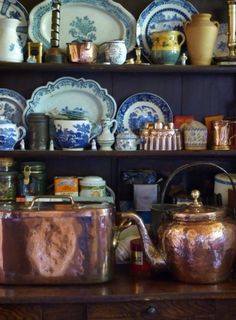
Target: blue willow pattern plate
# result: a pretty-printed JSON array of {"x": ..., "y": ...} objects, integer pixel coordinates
[
  {"x": 71, "y": 95},
  {"x": 12, "y": 105},
  {"x": 140, "y": 108},
  {"x": 95, "y": 20},
  {"x": 161, "y": 15},
  {"x": 14, "y": 9}
]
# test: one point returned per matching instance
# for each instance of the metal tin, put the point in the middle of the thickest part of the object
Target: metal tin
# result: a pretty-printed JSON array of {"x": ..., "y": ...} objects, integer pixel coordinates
[
  {"x": 32, "y": 180},
  {"x": 38, "y": 124},
  {"x": 66, "y": 186}
]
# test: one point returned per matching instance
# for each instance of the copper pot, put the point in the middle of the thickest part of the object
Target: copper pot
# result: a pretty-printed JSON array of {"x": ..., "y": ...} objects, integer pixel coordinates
[
  {"x": 82, "y": 52},
  {"x": 64, "y": 243},
  {"x": 198, "y": 245}
]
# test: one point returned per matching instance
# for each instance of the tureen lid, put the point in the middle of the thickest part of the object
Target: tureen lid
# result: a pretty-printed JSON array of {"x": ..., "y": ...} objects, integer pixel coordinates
[
  {"x": 126, "y": 134},
  {"x": 196, "y": 211}
]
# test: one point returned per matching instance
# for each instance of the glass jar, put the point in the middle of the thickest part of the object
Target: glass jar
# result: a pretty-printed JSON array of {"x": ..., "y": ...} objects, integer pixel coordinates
[
  {"x": 32, "y": 179},
  {"x": 8, "y": 186},
  {"x": 7, "y": 164}
]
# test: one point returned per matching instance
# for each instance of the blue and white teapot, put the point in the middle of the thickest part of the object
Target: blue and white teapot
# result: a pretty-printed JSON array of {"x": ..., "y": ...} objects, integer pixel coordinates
[{"x": 10, "y": 134}]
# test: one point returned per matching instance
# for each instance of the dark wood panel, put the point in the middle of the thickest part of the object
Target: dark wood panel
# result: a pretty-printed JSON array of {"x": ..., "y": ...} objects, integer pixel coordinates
[
  {"x": 163, "y": 310},
  {"x": 20, "y": 312},
  {"x": 64, "y": 312},
  {"x": 226, "y": 310}
]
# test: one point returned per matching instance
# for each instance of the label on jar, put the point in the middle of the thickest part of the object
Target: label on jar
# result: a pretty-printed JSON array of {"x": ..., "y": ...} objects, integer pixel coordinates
[
  {"x": 92, "y": 191},
  {"x": 66, "y": 186}
]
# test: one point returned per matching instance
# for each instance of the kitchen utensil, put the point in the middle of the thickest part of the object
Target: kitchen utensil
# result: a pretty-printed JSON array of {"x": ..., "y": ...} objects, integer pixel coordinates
[{"x": 198, "y": 245}]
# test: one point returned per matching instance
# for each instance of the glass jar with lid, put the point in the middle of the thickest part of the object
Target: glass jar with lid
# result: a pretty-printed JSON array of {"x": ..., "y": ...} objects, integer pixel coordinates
[
  {"x": 32, "y": 179},
  {"x": 8, "y": 186}
]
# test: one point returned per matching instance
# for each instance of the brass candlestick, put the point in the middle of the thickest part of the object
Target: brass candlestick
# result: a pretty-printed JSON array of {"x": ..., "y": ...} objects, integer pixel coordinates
[
  {"x": 138, "y": 52},
  {"x": 54, "y": 54},
  {"x": 231, "y": 58}
]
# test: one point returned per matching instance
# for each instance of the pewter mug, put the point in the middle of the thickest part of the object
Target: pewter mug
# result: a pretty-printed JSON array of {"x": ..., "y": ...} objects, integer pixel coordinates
[{"x": 198, "y": 244}]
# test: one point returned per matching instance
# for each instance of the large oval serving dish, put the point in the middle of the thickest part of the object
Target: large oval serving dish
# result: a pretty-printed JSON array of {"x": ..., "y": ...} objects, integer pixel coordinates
[
  {"x": 162, "y": 15},
  {"x": 95, "y": 20},
  {"x": 71, "y": 95}
]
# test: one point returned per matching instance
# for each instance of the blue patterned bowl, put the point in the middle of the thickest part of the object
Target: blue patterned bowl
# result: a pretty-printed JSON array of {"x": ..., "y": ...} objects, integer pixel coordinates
[{"x": 73, "y": 134}]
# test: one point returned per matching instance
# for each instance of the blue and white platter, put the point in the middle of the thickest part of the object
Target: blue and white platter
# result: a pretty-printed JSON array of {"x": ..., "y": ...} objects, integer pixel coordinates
[
  {"x": 95, "y": 20},
  {"x": 68, "y": 95},
  {"x": 140, "y": 108},
  {"x": 161, "y": 15},
  {"x": 14, "y": 9},
  {"x": 12, "y": 105}
]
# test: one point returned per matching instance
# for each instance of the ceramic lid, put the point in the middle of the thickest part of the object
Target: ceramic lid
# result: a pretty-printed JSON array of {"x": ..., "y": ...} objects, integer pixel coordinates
[
  {"x": 126, "y": 134},
  {"x": 92, "y": 181},
  {"x": 196, "y": 211}
]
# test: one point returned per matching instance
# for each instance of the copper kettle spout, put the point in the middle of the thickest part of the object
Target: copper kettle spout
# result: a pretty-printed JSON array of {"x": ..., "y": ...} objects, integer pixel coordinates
[{"x": 154, "y": 256}]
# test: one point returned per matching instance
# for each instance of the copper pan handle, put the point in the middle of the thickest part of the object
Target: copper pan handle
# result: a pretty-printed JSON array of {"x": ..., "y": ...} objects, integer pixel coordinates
[{"x": 50, "y": 199}]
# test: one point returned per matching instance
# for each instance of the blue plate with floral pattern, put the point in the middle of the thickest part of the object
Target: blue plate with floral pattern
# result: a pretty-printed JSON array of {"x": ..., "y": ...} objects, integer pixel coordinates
[
  {"x": 95, "y": 20},
  {"x": 161, "y": 15},
  {"x": 140, "y": 108},
  {"x": 12, "y": 105}
]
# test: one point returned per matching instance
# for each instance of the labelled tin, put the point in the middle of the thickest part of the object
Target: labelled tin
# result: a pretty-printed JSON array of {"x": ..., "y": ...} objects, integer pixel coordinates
[{"x": 66, "y": 186}]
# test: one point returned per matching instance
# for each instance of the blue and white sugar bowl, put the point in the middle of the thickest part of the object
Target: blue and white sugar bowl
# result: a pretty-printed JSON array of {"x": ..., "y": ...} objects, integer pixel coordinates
[
  {"x": 10, "y": 134},
  {"x": 73, "y": 134},
  {"x": 126, "y": 141}
]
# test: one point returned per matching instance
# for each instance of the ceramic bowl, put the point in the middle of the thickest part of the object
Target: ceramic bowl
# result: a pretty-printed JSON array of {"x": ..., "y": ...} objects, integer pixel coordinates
[{"x": 73, "y": 134}]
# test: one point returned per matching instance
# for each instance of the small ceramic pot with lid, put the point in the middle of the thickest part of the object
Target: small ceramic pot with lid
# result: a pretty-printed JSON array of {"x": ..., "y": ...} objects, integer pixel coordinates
[
  {"x": 94, "y": 186},
  {"x": 126, "y": 141}
]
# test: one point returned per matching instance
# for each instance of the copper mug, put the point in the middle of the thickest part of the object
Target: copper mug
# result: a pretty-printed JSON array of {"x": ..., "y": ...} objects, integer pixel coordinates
[
  {"x": 223, "y": 135},
  {"x": 82, "y": 52}
]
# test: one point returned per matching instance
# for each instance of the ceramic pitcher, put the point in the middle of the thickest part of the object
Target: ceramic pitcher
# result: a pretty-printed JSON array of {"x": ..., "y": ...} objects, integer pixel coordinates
[
  {"x": 201, "y": 34},
  {"x": 10, "y": 134},
  {"x": 10, "y": 49},
  {"x": 166, "y": 46},
  {"x": 106, "y": 138}
]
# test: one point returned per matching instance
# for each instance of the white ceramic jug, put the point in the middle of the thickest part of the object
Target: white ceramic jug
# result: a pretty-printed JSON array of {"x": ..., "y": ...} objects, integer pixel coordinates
[
  {"x": 106, "y": 138},
  {"x": 11, "y": 49}
]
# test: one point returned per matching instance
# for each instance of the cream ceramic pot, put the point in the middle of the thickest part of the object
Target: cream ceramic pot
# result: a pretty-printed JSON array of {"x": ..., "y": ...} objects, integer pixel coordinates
[{"x": 94, "y": 186}]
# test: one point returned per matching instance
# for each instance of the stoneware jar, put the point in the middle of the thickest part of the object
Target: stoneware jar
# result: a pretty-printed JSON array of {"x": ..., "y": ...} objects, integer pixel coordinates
[
  {"x": 10, "y": 49},
  {"x": 73, "y": 134},
  {"x": 113, "y": 52},
  {"x": 166, "y": 46},
  {"x": 126, "y": 141},
  {"x": 195, "y": 136},
  {"x": 201, "y": 34},
  {"x": 10, "y": 134}
]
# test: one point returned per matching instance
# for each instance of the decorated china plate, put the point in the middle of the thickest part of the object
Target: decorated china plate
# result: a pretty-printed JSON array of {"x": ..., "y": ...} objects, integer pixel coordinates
[
  {"x": 14, "y": 9},
  {"x": 95, "y": 20},
  {"x": 68, "y": 95},
  {"x": 12, "y": 105},
  {"x": 140, "y": 108},
  {"x": 161, "y": 15}
]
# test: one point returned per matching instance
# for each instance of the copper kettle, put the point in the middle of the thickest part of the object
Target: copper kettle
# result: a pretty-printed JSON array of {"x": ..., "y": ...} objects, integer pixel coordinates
[{"x": 198, "y": 245}]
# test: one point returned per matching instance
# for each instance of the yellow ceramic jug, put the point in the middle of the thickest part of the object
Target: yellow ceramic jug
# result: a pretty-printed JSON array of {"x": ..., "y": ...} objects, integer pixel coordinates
[{"x": 166, "y": 46}]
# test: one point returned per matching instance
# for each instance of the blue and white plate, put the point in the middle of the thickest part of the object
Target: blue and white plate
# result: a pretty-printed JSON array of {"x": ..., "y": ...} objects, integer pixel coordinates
[
  {"x": 12, "y": 105},
  {"x": 161, "y": 15},
  {"x": 140, "y": 108},
  {"x": 95, "y": 20},
  {"x": 14, "y": 9},
  {"x": 70, "y": 95}
]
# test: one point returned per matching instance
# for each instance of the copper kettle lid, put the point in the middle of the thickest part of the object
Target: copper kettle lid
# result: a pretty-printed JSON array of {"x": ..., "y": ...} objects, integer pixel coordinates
[{"x": 196, "y": 211}]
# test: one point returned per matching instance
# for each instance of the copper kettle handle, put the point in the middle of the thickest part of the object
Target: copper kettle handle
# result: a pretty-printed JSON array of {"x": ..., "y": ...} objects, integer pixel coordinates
[{"x": 195, "y": 164}]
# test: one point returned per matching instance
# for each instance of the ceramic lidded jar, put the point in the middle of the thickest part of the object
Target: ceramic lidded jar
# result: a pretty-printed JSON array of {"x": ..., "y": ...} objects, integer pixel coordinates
[
  {"x": 166, "y": 46},
  {"x": 10, "y": 134},
  {"x": 126, "y": 141},
  {"x": 10, "y": 49},
  {"x": 201, "y": 34},
  {"x": 113, "y": 52}
]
